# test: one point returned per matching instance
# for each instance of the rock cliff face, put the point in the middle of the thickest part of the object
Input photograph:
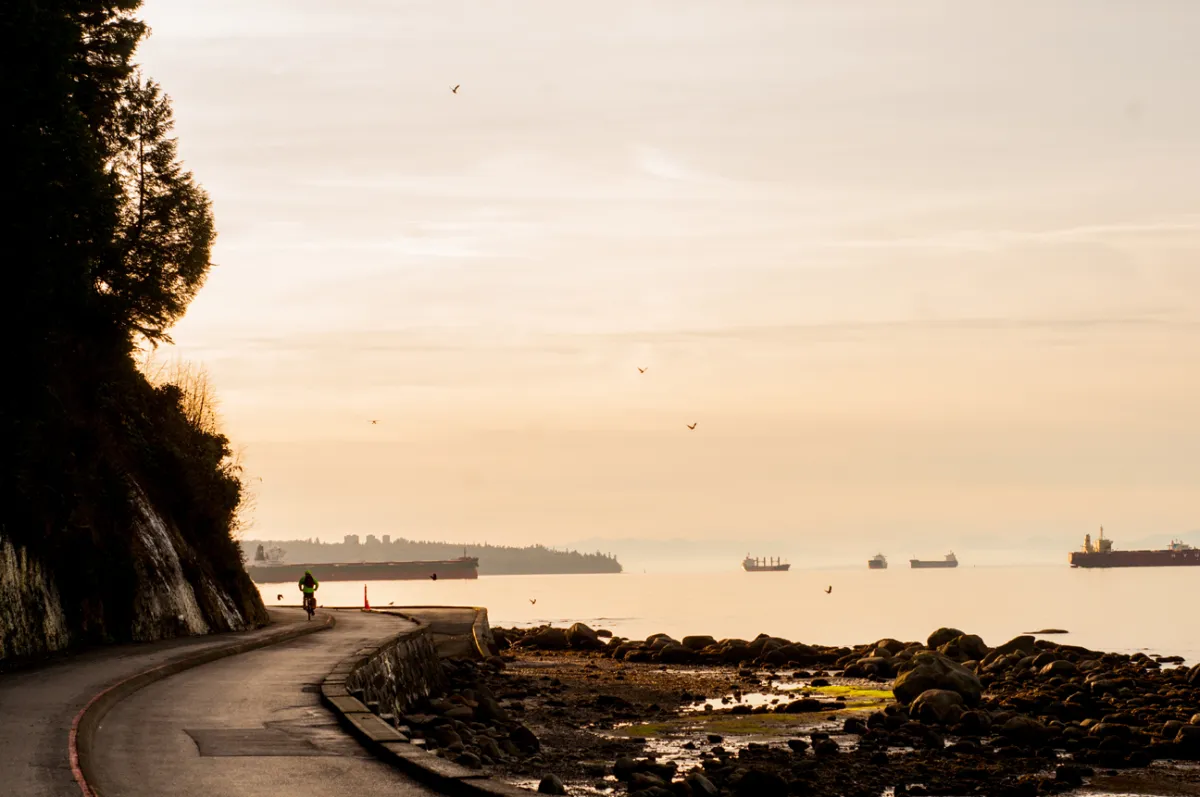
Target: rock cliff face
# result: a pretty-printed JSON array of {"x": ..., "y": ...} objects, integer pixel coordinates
[
  {"x": 31, "y": 615},
  {"x": 171, "y": 594}
]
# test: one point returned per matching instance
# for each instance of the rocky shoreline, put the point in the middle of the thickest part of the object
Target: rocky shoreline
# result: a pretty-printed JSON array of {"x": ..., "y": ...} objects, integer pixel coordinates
[{"x": 577, "y": 711}]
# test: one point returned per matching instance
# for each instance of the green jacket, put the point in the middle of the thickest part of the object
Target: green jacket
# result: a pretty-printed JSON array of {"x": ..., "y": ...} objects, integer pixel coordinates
[{"x": 308, "y": 590}]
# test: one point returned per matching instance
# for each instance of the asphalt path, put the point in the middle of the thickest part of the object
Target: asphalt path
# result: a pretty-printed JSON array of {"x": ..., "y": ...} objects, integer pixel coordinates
[
  {"x": 38, "y": 704},
  {"x": 247, "y": 726}
]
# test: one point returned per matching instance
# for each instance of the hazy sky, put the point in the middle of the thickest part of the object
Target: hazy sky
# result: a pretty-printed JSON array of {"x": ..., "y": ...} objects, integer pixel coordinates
[{"x": 922, "y": 269}]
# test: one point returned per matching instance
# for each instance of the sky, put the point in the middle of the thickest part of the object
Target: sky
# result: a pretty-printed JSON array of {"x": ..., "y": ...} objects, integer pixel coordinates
[{"x": 920, "y": 272}]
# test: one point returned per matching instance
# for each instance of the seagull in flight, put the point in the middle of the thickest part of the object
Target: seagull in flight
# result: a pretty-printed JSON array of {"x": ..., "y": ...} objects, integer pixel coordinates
[
  {"x": 692, "y": 425},
  {"x": 642, "y": 370},
  {"x": 533, "y": 601},
  {"x": 454, "y": 90},
  {"x": 279, "y": 597},
  {"x": 374, "y": 422},
  {"x": 433, "y": 576},
  {"x": 828, "y": 589}
]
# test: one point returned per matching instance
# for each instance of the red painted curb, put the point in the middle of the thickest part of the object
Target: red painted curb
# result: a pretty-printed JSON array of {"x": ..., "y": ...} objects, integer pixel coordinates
[{"x": 170, "y": 668}]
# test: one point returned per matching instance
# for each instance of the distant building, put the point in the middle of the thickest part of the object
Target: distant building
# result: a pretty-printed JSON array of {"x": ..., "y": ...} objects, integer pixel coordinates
[
  {"x": 387, "y": 539},
  {"x": 350, "y": 539},
  {"x": 372, "y": 539}
]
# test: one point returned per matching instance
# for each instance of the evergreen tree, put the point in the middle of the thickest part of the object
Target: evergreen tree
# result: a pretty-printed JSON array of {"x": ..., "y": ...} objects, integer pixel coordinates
[{"x": 165, "y": 227}]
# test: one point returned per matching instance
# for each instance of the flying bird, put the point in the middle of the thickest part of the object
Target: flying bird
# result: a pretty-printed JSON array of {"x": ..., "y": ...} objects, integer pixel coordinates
[
  {"x": 279, "y": 597},
  {"x": 391, "y": 603},
  {"x": 692, "y": 425},
  {"x": 828, "y": 589},
  {"x": 454, "y": 90},
  {"x": 642, "y": 370},
  {"x": 374, "y": 422},
  {"x": 533, "y": 600},
  {"x": 433, "y": 576}
]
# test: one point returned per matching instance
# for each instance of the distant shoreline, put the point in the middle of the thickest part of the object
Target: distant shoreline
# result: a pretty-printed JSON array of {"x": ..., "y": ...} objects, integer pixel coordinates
[{"x": 494, "y": 560}]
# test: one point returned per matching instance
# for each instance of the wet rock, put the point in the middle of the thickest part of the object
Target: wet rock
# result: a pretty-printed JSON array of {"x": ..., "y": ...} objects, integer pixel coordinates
[
  {"x": 1072, "y": 774},
  {"x": 581, "y": 637},
  {"x": 468, "y": 760},
  {"x": 941, "y": 637},
  {"x": 1059, "y": 667},
  {"x": 1024, "y": 730},
  {"x": 551, "y": 784},
  {"x": 971, "y": 646},
  {"x": 489, "y": 710},
  {"x": 640, "y": 781},
  {"x": 805, "y": 705},
  {"x": 624, "y": 768},
  {"x": 715, "y": 738},
  {"x": 760, "y": 783},
  {"x": 825, "y": 747},
  {"x": 701, "y": 786},
  {"x": 1188, "y": 738},
  {"x": 446, "y": 736},
  {"x": 934, "y": 671},
  {"x": 698, "y": 642},
  {"x": 1024, "y": 644},
  {"x": 547, "y": 639},
  {"x": 797, "y": 745},
  {"x": 525, "y": 739},
  {"x": 489, "y": 748},
  {"x": 938, "y": 706},
  {"x": 674, "y": 653}
]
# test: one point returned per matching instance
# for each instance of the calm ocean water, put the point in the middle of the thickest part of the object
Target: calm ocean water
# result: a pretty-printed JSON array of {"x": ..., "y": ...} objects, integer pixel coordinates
[{"x": 1146, "y": 609}]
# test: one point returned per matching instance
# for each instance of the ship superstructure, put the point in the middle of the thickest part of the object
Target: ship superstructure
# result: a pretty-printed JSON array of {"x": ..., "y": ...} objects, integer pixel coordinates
[{"x": 1101, "y": 554}]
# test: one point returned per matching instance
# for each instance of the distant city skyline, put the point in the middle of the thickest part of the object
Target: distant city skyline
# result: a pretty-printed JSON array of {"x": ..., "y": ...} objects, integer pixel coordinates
[{"x": 921, "y": 271}]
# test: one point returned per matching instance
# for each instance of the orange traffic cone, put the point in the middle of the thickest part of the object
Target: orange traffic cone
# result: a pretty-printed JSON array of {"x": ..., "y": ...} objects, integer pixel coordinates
[{"x": 366, "y": 603}]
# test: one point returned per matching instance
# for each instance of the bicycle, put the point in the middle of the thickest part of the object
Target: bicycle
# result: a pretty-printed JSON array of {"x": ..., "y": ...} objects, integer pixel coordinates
[{"x": 310, "y": 604}]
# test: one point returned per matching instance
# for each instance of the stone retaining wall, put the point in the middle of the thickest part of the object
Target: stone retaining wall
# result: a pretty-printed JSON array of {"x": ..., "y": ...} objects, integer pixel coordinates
[{"x": 400, "y": 672}]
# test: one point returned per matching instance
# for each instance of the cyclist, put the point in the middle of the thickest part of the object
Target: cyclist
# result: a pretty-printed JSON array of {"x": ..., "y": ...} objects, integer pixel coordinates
[{"x": 308, "y": 585}]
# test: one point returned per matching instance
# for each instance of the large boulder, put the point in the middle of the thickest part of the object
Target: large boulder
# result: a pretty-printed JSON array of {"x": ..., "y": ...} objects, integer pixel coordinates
[
  {"x": 968, "y": 647},
  {"x": 1024, "y": 730},
  {"x": 1025, "y": 645},
  {"x": 698, "y": 642},
  {"x": 676, "y": 654},
  {"x": 941, "y": 637},
  {"x": 547, "y": 639},
  {"x": 934, "y": 671},
  {"x": 760, "y": 783},
  {"x": 1194, "y": 676},
  {"x": 937, "y": 706},
  {"x": 892, "y": 646},
  {"x": 581, "y": 637}
]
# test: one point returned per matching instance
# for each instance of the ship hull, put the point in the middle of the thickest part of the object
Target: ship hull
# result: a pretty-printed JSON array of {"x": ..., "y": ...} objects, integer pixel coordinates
[
  {"x": 917, "y": 564},
  {"x": 367, "y": 571},
  {"x": 877, "y": 565},
  {"x": 1187, "y": 558},
  {"x": 766, "y": 568}
]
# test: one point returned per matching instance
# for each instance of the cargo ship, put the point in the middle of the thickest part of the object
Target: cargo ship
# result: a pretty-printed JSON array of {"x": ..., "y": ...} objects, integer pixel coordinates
[
  {"x": 270, "y": 569},
  {"x": 877, "y": 562},
  {"x": 1102, "y": 555},
  {"x": 950, "y": 560},
  {"x": 756, "y": 565}
]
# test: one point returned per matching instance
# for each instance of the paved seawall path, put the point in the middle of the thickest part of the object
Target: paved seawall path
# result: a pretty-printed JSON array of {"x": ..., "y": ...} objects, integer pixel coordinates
[
  {"x": 248, "y": 726},
  {"x": 38, "y": 705}
]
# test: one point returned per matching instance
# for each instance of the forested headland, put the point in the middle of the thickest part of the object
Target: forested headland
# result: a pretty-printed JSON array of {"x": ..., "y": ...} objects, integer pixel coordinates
[{"x": 119, "y": 498}]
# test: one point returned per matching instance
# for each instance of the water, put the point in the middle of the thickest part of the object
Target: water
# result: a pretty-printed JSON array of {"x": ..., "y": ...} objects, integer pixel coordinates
[{"x": 1126, "y": 610}]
